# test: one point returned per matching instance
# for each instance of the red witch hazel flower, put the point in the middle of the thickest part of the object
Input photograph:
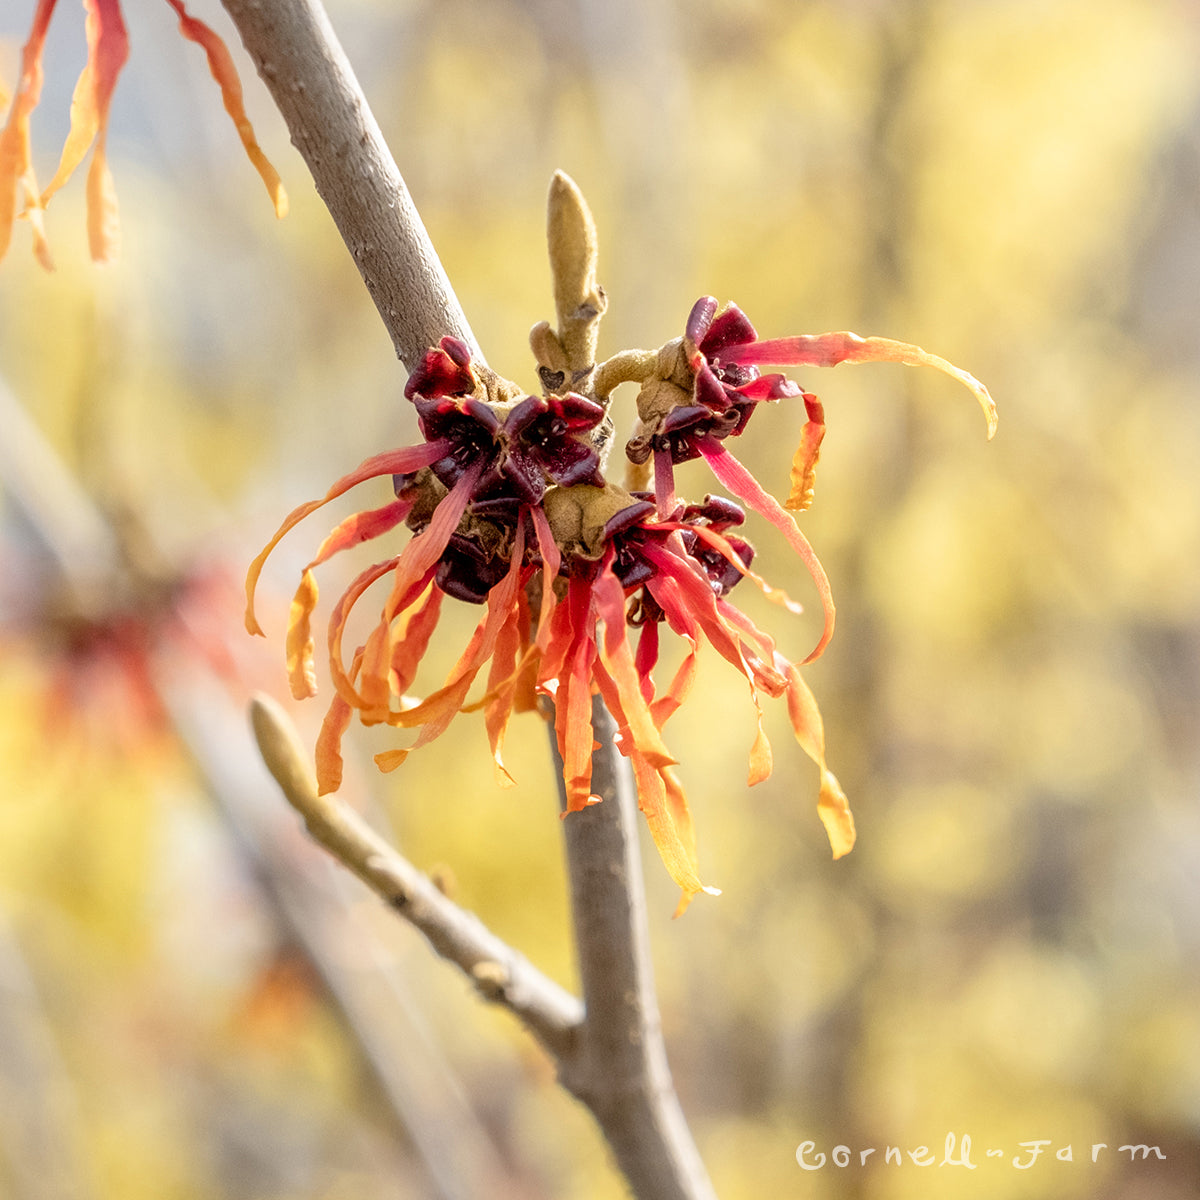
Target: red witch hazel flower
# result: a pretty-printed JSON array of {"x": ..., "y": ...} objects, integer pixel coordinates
[
  {"x": 108, "y": 50},
  {"x": 512, "y": 509}
]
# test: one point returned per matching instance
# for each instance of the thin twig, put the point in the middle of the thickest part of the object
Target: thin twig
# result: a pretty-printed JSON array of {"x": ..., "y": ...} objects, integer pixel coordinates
[
  {"x": 501, "y": 974},
  {"x": 298, "y": 55}
]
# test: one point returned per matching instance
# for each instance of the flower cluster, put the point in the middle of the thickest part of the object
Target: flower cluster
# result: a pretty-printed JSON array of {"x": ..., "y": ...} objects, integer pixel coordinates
[
  {"x": 511, "y": 508},
  {"x": 108, "y": 50}
]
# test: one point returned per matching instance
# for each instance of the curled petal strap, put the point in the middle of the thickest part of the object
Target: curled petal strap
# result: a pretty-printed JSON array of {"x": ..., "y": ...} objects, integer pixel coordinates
[
  {"x": 664, "y": 805},
  {"x": 804, "y": 461},
  {"x": 721, "y": 544},
  {"x": 362, "y": 527},
  {"x": 608, "y": 598},
  {"x": 412, "y": 639},
  {"x": 504, "y": 679},
  {"x": 662, "y": 802},
  {"x": 551, "y": 562},
  {"x": 343, "y": 680},
  {"x": 573, "y": 648},
  {"x": 17, "y": 176},
  {"x": 391, "y": 462},
  {"x": 438, "y": 709},
  {"x": 220, "y": 63},
  {"x": 108, "y": 49},
  {"x": 832, "y": 807},
  {"x": 690, "y": 607},
  {"x": 829, "y": 349},
  {"x": 414, "y": 569},
  {"x": 300, "y": 646},
  {"x": 329, "y": 741},
  {"x": 738, "y": 480},
  {"x": 354, "y": 530}
]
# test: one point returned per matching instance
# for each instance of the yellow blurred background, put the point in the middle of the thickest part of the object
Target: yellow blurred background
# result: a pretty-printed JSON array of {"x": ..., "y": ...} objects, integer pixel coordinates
[{"x": 195, "y": 1006}]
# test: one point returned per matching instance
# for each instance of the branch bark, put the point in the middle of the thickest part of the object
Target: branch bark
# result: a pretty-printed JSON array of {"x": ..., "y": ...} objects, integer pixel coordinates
[
  {"x": 299, "y": 58},
  {"x": 619, "y": 1069}
]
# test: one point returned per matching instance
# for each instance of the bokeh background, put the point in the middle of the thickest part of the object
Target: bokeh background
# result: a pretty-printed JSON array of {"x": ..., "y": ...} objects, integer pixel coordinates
[{"x": 193, "y": 1006}]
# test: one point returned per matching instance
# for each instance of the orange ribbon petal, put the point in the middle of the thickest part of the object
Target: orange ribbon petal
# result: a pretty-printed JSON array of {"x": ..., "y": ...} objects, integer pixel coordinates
[
  {"x": 343, "y": 680},
  {"x": 691, "y": 608},
  {"x": 220, "y": 63},
  {"x": 389, "y": 760},
  {"x": 16, "y": 153},
  {"x": 108, "y": 51},
  {"x": 689, "y": 605},
  {"x": 362, "y": 527},
  {"x": 412, "y": 640},
  {"x": 738, "y": 480},
  {"x": 391, "y": 462},
  {"x": 376, "y": 669},
  {"x": 804, "y": 461},
  {"x": 551, "y": 562},
  {"x": 830, "y": 349},
  {"x": 608, "y": 598},
  {"x": 437, "y": 710},
  {"x": 573, "y": 725},
  {"x": 723, "y": 546},
  {"x": 503, "y": 680},
  {"x": 832, "y": 806},
  {"x": 662, "y": 802},
  {"x": 300, "y": 646},
  {"x": 329, "y": 741},
  {"x": 570, "y": 656}
]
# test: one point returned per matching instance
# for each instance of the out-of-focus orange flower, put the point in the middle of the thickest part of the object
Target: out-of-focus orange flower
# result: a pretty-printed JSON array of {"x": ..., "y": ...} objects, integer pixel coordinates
[
  {"x": 101, "y": 654},
  {"x": 108, "y": 50}
]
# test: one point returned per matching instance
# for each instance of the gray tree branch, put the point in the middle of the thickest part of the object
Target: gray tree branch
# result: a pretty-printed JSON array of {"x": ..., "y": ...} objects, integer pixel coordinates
[{"x": 619, "y": 1069}]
